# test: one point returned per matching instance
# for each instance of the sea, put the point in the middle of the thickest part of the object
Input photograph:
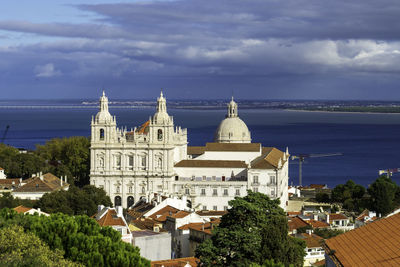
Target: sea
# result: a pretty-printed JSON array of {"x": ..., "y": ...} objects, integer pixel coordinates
[{"x": 358, "y": 145}]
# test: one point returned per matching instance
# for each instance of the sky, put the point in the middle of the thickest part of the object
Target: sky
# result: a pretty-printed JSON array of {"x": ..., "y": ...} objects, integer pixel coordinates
[{"x": 200, "y": 49}]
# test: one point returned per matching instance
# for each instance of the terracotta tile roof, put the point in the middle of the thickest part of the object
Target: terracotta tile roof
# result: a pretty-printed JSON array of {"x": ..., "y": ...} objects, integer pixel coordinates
[
  {"x": 180, "y": 262},
  {"x": 318, "y": 263},
  {"x": 319, "y": 186},
  {"x": 293, "y": 213},
  {"x": 336, "y": 216},
  {"x": 312, "y": 241},
  {"x": 110, "y": 218},
  {"x": 249, "y": 147},
  {"x": 161, "y": 215},
  {"x": 269, "y": 159},
  {"x": 139, "y": 210},
  {"x": 317, "y": 224},
  {"x": 180, "y": 214},
  {"x": 296, "y": 223},
  {"x": 144, "y": 128},
  {"x": 10, "y": 181},
  {"x": 204, "y": 227},
  {"x": 211, "y": 164},
  {"x": 211, "y": 212},
  {"x": 22, "y": 209},
  {"x": 375, "y": 244},
  {"x": 195, "y": 150},
  {"x": 146, "y": 224},
  {"x": 49, "y": 183}
]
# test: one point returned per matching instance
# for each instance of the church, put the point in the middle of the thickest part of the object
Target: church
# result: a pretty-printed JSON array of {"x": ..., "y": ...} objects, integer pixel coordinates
[{"x": 154, "y": 159}]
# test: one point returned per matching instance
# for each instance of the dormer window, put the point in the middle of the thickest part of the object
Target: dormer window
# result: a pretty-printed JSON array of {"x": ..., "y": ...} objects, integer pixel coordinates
[{"x": 102, "y": 134}]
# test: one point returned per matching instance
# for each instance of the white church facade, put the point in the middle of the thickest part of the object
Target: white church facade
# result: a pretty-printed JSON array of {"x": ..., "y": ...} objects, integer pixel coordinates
[{"x": 155, "y": 159}]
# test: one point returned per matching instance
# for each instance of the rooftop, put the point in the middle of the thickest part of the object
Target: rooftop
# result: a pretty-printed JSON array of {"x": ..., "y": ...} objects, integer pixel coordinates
[
  {"x": 45, "y": 183},
  {"x": 211, "y": 164},
  {"x": 108, "y": 217},
  {"x": 22, "y": 209},
  {"x": 180, "y": 262},
  {"x": 375, "y": 244}
]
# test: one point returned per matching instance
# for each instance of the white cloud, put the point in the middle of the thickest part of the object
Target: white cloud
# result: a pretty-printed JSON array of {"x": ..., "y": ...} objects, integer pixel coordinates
[{"x": 47, "y": 70}]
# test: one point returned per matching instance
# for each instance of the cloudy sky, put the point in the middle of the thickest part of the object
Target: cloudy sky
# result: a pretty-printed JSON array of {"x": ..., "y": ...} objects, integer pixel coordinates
[{"x": 270, "y": 49}]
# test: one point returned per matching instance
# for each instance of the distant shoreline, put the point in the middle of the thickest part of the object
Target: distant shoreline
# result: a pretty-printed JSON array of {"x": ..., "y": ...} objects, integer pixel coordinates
[{"x": 342, "y": 111}]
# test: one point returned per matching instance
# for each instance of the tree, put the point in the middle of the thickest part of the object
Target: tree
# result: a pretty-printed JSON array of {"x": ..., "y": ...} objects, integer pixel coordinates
[
  {"x": 67, "y": 156},
  {"x": 80, "y": 238},
  {"x": 383, "y": 193},
  {"x": 351, "y": 195},
  {"x": 254, "y": 230},
  {"x": 19, "y": 165},
  {"x": 8, "y": 201},
  {"x": 75, "y": 201},
  {"x": 327, "y": 233},
  {"x": 18, "y": 248},
  {"x": 322, "y": 197}
]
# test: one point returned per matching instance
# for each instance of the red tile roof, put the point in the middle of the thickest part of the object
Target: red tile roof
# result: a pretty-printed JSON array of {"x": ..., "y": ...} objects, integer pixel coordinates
[
  {"x": 312, "y": 241},
  {"x": 180, "y": 262},
  {"x": 375, "y": 244},
  {"x": 49, "y": 183},
  {"x": 293, "y": 213},
  {"x": 22, "y": 209},
  {"x": 336, "y": 216},
  {"x": 161, "y": 215},
  {"x": 296, "y": 223},
  {"x": 317, "y": 224},
  {"x": 269, "y": 159},
  {"x": 110, "y": 218}
]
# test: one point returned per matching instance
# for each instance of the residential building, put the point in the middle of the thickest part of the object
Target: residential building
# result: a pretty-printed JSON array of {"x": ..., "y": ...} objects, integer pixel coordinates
[
  {"x": 114, "y": 218},
  {"x": 198, "y": 233},
  {"x": 375, "y": 244},
  {"x": 155, "y": 159},
  {"x": 365, "y": 217},
  {"x": 179, "y": 262},
  {"x": 31, "y": 211},
  {"x": 38, "y": 185},
  {"x": 314, "y": 249},
  {"x": 154, "y": 246}
]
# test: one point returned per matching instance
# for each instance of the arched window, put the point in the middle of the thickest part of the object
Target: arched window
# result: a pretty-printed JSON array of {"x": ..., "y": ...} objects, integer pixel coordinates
[
  {"x": 130, "y": 200},
  {"x": 159, "y": 135},
  {"x": 159, "y": 162},
  {"x": 143, "y": 190},
  {"x": 101, "y": 134},
  {"x": 130, "y": 189},
  {"x": 117, "y": 201}
]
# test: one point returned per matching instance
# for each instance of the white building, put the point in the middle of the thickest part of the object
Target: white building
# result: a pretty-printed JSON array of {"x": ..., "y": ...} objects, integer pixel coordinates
[{"x": 155, "y": 158}]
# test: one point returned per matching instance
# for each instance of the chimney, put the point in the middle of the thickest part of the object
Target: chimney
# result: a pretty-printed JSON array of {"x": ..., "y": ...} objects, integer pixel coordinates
[
  {"x": 65, "y": 177},
  {"x": 202, "y": 227},
  {"x": 309, "y": 231},
  {"x": 316, "y": 217},
  {"x": 38, "y": 209},
  {"x": 100, "y": 208},
  {"x": 61, "y": 181},
  {"x": 118, "y": 209},
  {"x": 327, "y": 218}
]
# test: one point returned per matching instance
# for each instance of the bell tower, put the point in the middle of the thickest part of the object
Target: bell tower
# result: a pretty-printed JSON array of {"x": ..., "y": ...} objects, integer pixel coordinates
[{"x": 103, "y": 126}]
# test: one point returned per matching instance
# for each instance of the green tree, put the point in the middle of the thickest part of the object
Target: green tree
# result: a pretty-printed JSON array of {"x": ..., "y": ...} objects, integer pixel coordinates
[
  {"x": 327, "y": 233},
  {"x": 254, "y": 230},
  {"x": 18, "y": 165},
  {"x": 67, "y": 156},
  {"x": 8, "y": 201},
  {"x": 18, "y": 248},
  {"x": 383, "y": 193},
  {"x": 79, "y": 237},
  {"x": 75, "y": 201},
  {"x": 351, "y": 195},
  {"x": 322, "y": 197}
]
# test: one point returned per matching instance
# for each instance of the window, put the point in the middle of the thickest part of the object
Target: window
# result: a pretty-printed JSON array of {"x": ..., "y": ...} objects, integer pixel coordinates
[
  {"x": 225, "y": 191},
  {"x": 130, "y": 189},
  {"x": 255, "y": 189},
  {"x": 117, "y": 201},
  {"x": 143, "y": 190},
  {"x": 272, "y": 193},
  {"x": 213, "y": 178},
  {"x": 176, "y": 178},
  {"x": 130, "y": 162},
  {"x": 204, "y": 207},
  {"x": 187, "y": 191},
  {"x": 203, "y": 192},
  {"x": 215, "y": 192},
  {"x": 225, "y": 208},
  {"x": 101, "y": 134},
  {"x": 159, "y": 135},
  {"x": 101, "y": 186},
  {"x": 118, "y": 162},
  {"x": 143, "y": 162},
  {"x": 237, "y": 192},
  {"x": 255, "y": 179},
  {"x": 272, "y": 179},
  {"x": 130, "y": 200},
  {"x": 204, "y": 178},
  {"x": 215, "y": 208}
]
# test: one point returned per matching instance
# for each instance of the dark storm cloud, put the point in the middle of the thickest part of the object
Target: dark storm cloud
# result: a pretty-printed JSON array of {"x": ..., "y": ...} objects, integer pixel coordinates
[{"x": 266, "y": 48}]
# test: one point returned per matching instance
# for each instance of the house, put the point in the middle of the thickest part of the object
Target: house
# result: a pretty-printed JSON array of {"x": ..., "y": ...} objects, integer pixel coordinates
[
  {"x": 8, "y": 185},
  {"x": 154, "y": 246},
  {"x": 295, "y": 223},
  {"x": 179, "y": 262},
  {"x": 339, "y": 221},
  {"x": 314, "y": 249},
  {"x": 199, "y": 232},
  {"x": 38, "y": 185},
  {"x": 365, "y": 217},
  {"x": 32, "y": 211},
  {"x": 114, "y": 218},
  {"x": 375, "y": 244}
]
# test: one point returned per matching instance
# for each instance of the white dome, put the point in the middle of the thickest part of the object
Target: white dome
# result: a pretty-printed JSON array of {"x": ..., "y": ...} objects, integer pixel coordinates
[
  {"x": 232, "y": 129},
  {"x": 103, "y": 116}
]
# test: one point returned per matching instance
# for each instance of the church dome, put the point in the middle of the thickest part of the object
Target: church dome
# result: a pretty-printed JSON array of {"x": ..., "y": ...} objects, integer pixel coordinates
[
  {"x": 103, "y": 116},
  {"x": 232, "y": 129},
  {"x": 161, "y": 116}
]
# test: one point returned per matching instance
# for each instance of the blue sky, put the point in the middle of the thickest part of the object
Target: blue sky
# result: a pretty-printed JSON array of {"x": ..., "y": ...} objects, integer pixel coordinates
[{"x": 194, "y": 49}]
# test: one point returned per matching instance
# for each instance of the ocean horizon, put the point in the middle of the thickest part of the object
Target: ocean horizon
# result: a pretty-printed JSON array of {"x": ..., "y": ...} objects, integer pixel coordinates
[{"x": 368, "y": 142}]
